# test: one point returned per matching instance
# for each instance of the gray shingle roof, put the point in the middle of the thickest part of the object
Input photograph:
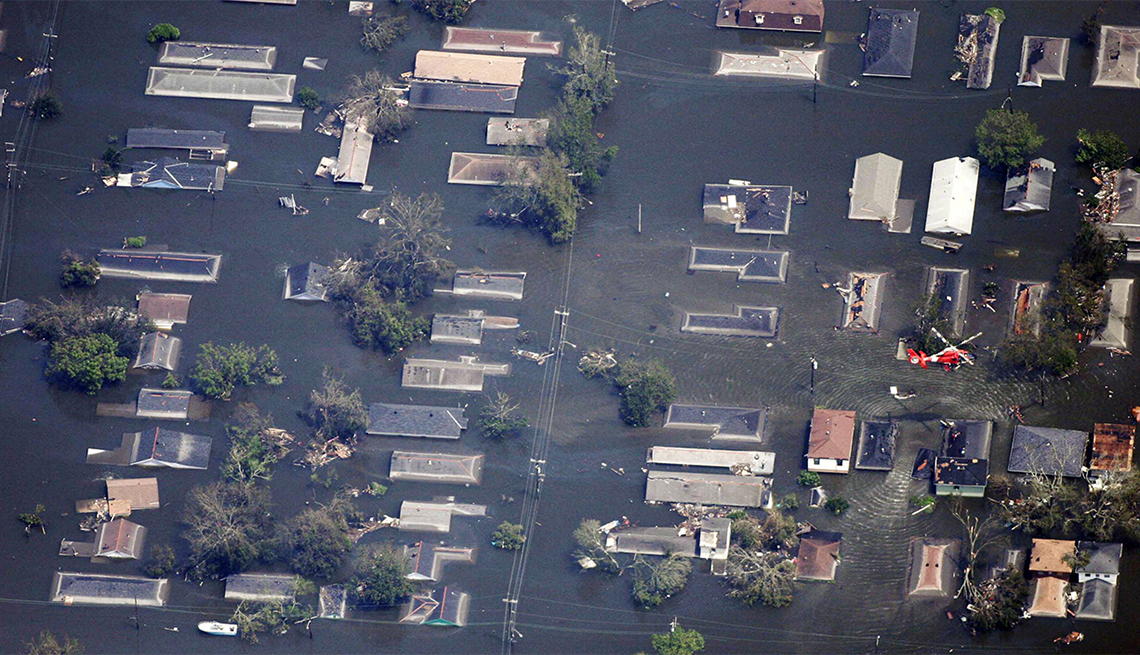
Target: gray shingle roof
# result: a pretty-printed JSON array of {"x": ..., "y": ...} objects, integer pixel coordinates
[
  {"x": 1047, "y": 450},
  {"x": 891, "y": 35},
  {"x": 1104, "y": 557},
  {"x": 1098, "y": 601},
  {"x": 416, "y": 421}
]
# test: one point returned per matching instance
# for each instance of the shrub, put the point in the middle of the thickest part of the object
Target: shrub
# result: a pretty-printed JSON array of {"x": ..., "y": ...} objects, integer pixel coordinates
[
  {"x": 508, "y": 536},
  {"x": 646, "y": 387},
  {"x": 837, "y": 505},
  {"x": 162, "y": 562},
  {"x": 790, "y": 503},
  {"x": 308, "y": 98},
  {"x": 252, "y": 452},
  {"x": 112, "y": 157},
  {"x": 171, "y": 381},
  {"x": 336, "y": 410},
  {"x": 808, "y": 479},
  {"x": 370, "y": 101},
  {"x": 47, "y": 644},
  {"x": 88, "y": 362},
  {"x": 381, "y": 31},
  {"x": 1102, "y": 149},
  {"x": 78, "y": 273},
  {"x": 653, "y": 583},
  {"x": 448, "y": 11},
  {"x": 381, "y": 578},
  {"x": 315, "y": 543},
  {"x": 219, "y": 369},
  {"x": 163, "y": 32},
  {"x": 45, "y": 106},
  {"x": 134, "y": 242},
  {"x": 1006, "y": 138}
]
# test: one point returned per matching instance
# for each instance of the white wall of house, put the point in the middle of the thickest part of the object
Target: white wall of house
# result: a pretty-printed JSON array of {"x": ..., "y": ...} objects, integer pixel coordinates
[
  {"x": 1110, "y": 578},
  {"x": 824, "y": 465}
]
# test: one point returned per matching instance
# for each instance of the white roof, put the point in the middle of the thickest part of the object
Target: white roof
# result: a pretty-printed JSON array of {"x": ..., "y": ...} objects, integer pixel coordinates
[
  {"x": 953, "y": 188},
  {"x": 875, "y": 188},
  {"x": 464, "y": 67}
]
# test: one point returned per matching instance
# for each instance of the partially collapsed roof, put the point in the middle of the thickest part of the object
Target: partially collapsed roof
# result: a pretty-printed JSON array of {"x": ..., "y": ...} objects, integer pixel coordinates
[
  {"x": 1112, "y": 447},
  {"x": 169, "y": 173},
  {"x": 1028, "y": 189}
]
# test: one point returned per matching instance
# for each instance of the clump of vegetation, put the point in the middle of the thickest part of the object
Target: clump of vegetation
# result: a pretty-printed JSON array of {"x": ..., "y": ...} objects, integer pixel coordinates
[
  {"x": 1048, "y": 505},
  {"x": 308, "y": 98},
  {"x": 228, "y": 528},
  {"x": 996, "y": 13},
  {"x": 45, "y": 106},
  {"x": 678, "y": 641},
  {"x": 837, "y": 505},
  {"x": 381, "y": 578},
  {"x": 508, "y": 536},
  {"x": 924, "y": 503},
  {"x": 646, "y": 387},
  {"x": 336, "y": 410},
  {"x": 498, "y": 419},
  {"x": 1000, "y": 603},
  {"x": 47, "y": 644},
  {"x": 776, "y": 532},
  {"x": 171, "y": 381},
  {"x": 72, "y": 317},
  {"x": 1006, "y": 138},
  {"x": 253, "y": 618},
  {"x": 808, "y": 479},
  {"x": 77, "y": 272},
  {"x": 572, "y": 135},
  {"x": 163, "y": 32},
  {"x": 597, "y": 362},
  {"x": 219, "y": 369},
  {"x": 371, "y": 102},
  {"x": 1102, "y": 149},
  {"x": 254, "y": 446},
  {"x": 375, "y": 489},
  {"x": 88, "y": 362},
  {"x": 162, "y": 562},
  {"x": 929, "y": 318},
  {"x": 34, "y": 519},
  {"x": 380, "y": 325},
  {"x": 790, "y": 503},
  {"x": 589, "y": 72},
  {"x": 381, "y": 31},
  {"x": 1073, "y": 310},
  {"x": 539, "y": 193},
  {"x": 655, "y": 582},
  {"x": 448, "y": 11},
  {"x": 592, "y": 546},
  {"x": 134, "y": 242},
  {"x": 112, "y": 157},
  {"x": 760, "y": 567},
  {"x": 315, "y": 542}
]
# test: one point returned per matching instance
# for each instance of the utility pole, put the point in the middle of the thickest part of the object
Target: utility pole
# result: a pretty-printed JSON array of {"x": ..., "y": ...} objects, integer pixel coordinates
[
  {"x": 673, "y": 625},
  {"x": 814, "y": 366},
  {"x": 639, "y": 218},
  {"x": 814, "y": 84}
]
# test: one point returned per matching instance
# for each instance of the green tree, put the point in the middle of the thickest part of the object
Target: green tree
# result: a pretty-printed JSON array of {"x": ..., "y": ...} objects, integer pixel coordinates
[
  {"x": 112, "y": 157},
  {"x": 655, "y": 582},
  {"x": 790, "y": 503},
  {"x": 592, "y": 545},
  {"x": 163, "y": 32},
  {"x": 679, "y": 641},
  {"x": 777, "y": 531},
  {"x": 508, "y": 536},
  {"x": 837, "y": 505},
  {"x": 1102, "y": 149},
  {"x": 134, "y": 242},
  {"x": 759, "y": 576},
  {"x": 646, "y": 387},
  {"x": 308, "y": 98},
  {"x": 76, "y": 272},
  {"x": 498, "y": 419},
  {"x": 253, "y": 618},
  {"x": 380, "y": 325},
  {"x": 219, "y": 369},
  {"x": 48, "y": 644},
  {"x": 162, "y": 562},
  {"x": 229, "y": 528},
  {"x": 1006, "y": 138},
  {"x": 45, "y": 106},
  {"x": 381, "y": 578},
  {"x": 253, "y": 449},
  {"x": 808, "y": 479},
  {"x": 88, "y": 362},
  {"x": 381, "y": 31},
  {"x": 336, "y": 410},
  {"x": 315, "y": 543},
  {"x": 540, "y": 193},
  {"x": 589, "y": 72},
  {"x": 82, "y": 317},
  {"x": 572, "y": 135},
  {"x": 448, "y": 11},
  {"x": 370, "y": 100}
]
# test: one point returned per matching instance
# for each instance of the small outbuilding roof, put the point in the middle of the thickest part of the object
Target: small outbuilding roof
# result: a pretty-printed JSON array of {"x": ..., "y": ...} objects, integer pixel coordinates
[
  {"x": 953, "y": 189},
  {"x": 1028, "y": 189},
  {"x": 707, "y": 489},
  {"x": 416, "y": 421},
  {"x": 875, "y": 188},
  {"x": 1112, "y": 447},
  {"x": 261, "y": 587},
  {"x": 308, "y": 281},
  {"x": 466, "y": 67},
  {"x": 164, "y": 309},
  {"x": 891, "y": 35},
  {"x": 832, "y": 434},
  {"x": 1050, "y": 451},
  {"x": 436, "y": 467},
  {"x": 818, "y": 556},
  {"x": 728, "y": 423},
  {"x": 1049, "y": 555},
  {"x": 158, "y": 350}
]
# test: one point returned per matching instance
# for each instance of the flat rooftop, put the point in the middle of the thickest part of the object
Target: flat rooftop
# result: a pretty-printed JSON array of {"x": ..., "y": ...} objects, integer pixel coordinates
[
  {"x": 754, "y": 462},
  {"x": 745, "y": 322},
  {"x": 436, "y": 467},
  {"x": 220, "y": 85},
  {"x": 749, "y": 265},
  {"x": 707, "y": 489}
]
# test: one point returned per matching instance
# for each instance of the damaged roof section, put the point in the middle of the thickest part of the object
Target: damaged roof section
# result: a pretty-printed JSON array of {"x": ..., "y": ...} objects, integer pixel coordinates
[
  {"x": 1043, "y": 58},
  {"x": 1025, "y": 315},
  {"x": 1116, "y": 57},
  {"x": 727, "y": 423},
  {"x": 947, "y": 289},
  {"x": 169, "y": 173},
  {"x": 1028, "y": 188},
  {"x": 13, "y": 316},
  {"x": 749, "y": 265},
  {"x": 876, "y": 450},
  {"x": 1112, "y": 447},
  {"x": 750, "y": 208},
  {"x": 977, "y": 45},
  {"x": 863, "y": 301},
  {"x": 1117, "y": 331}
]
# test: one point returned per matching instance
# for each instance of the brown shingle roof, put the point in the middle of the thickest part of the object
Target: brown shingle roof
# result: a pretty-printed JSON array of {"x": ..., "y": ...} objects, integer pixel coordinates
[
  {"x": 817, "y": 558},
  {"x": 832, "y": 433},
  {"x": 1048, "y": 596},
  {"x": 1048, "y": 555},
  {"x": 1112, "y": 447}
]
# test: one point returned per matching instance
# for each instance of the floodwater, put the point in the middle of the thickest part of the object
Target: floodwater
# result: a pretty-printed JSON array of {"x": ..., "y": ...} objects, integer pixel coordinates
[{"x": 677, "y": 128}]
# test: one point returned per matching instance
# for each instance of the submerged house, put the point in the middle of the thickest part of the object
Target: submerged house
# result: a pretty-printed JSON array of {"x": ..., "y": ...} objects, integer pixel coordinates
[
  {"x": 158, "y": 351},
  {"x": 740, "y": 462},
  {"x": 784, "y": 63},
  {"x": 818, "y": 556},
  {"x": 439, "y": 607},
  {"x": 220, "y": 84},
  {"x": 953, "y": 188},
  {"x": 169, "y": 173},
  {"x": 137, "y": 493},
  {"x": 202, "y": 144},
  {"x": 416, "y": 421},
  {"x": 876, "y": 449},
  {"x": 465, "y": 375},
  {"x": 1116, "y": 62},
  {"x": 469, "y": 68},
  {"x": 1050, "y": 570},
  {"x": 782, "y": 15},
  {"x": 749, "y": 265},
  {"x": 426, "y": 559},
  {"x": 708, "y": 489},
  {"x": 829, "y": 441},
  {"x": 1025, "y": 313},
  {"x": 947, "y": 288},
  {"x": 217, "y": 55},
  {"x": 709, "y": 541},
  {"x": 434, "y": 516},
  {"x": 1117, "y": 331},
  {"x": 1112, "y": 447},
  {"x": 727, "y": 423},
  {"x": 165, "y": 310},
  {"x": 1047, "y": 451},
  {"x": 482, "y": 169},
  {"x": 891, "y": 35},
  {"x": 875, "y": 188},
  {"x": 492, "y": 285},
  {"x": 750, "y": 208},
  {"x": 1121, "y": 219},
  {"x": 164, "y": 404},
  {"x": 1027, "y": 189},
  {"x": 355, "y": 152},
  {"x": 156, "y": 449},
  {"x": 933, "y": 567},
  {"x": 261, "y": 587},
  {"x": 1043, "y": 58},
  {"x": 476, "y": 39},
  {"x": 458, "y": 329},
  {"x": 309, "y": 281},
  {"x": 743, "y": 322},
  {"x": 179, "y": 266},
  {"x": 268, "y": 118},
  {"x": 13, "y": 316},
  {"x": 977, "y": 41},
  {"x": 451, "y": 96},
  {"x": 117, "y": 539},
  {"x": 863, "y": 301},
  {"x": 517, "y": 131},
  {"x": 98, "y": 589},
  {"x": 962, "y": 467},
  {"x": 447, "y": 468}
]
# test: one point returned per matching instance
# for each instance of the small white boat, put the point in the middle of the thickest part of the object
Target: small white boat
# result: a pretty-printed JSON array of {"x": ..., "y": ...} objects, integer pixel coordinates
[{"x": 221, "y": 629}]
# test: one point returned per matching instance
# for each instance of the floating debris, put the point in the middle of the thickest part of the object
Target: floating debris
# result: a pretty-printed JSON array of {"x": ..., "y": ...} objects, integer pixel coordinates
[{"x": 289, "y": 202}]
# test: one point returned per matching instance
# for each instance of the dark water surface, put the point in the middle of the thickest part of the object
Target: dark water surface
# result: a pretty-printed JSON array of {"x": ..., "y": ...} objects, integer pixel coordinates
[{"x": 677, "y": 127}]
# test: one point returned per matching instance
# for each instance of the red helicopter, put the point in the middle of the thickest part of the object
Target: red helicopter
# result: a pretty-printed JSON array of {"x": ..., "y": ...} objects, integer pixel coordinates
[{"x": 950, "y": 357}]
